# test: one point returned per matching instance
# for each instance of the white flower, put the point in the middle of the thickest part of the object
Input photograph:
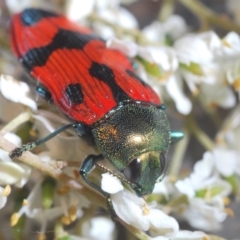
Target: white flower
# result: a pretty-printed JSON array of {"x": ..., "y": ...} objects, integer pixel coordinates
[
  {"x": 76, "y": 9},
  {"x": 109, "y": 11},
  {"x": 229, "y": 134},
  {"x": 206, "y": 216},
  {"x": 233, "y": 75},
  {"x": 174, "y": 87},
  {"x": 99, "y": 228},
  {"x": 119, "y": 16},
  {"x": 135, "y": 211},
  {"x": 16, "y": 91},
  {"x": 221, "y": 160},
  {"x": 16, "y": 6},
  {"x": 205, "y": 60},
  {"x": 226, "y": 161},
  {"x": 217, "y": 95},
  {"x": 173, "y": 27},
  {"x": 66, "y": 204},
  {"x": 115, "y": 185},
  {"x": 184, "y": 235},
  {"x": 3, "y": 198},
  {"x": 13, "y": 138},
  {"x": 11, "y": 172},
  {"x": 157, "y": 67},
  {"x": 206, "y": 193},
  {"x": 33, "y": 208},
  {"x": 165, "y": 187}
]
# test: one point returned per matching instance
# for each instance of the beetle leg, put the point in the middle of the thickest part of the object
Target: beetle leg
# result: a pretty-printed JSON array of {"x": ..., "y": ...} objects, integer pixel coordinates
[
  {"x": 176, "y": 136},
  {"x": 17, "y": 152},
  {"x": 86, "y": 167},
  {"x": 44, "y": 93}
]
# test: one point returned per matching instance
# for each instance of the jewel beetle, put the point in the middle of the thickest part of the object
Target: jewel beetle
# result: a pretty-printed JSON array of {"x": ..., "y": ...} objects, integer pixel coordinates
[{"x": 99, "y": 90}]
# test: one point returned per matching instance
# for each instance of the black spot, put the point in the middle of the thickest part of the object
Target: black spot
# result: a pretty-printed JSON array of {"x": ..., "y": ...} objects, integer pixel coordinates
[
  {"x": 74, "y": 93},
  {"x": 63, "y": 39},
  {"x": 103, "y": 73},
  {"x": 31, "y": 16},
  {"x": 134, "y": 75}
]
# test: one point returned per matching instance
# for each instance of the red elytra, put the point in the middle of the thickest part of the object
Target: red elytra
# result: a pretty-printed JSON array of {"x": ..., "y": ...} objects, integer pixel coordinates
[{"x": 85, "y": 78}]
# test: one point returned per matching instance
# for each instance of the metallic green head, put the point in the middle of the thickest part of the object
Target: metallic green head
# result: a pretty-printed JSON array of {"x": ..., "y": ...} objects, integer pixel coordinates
[{"x": 135, "y": 139}]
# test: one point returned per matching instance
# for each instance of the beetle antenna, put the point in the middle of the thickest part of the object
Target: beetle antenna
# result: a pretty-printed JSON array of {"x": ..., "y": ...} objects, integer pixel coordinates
[{"x": 105, "y": 169}]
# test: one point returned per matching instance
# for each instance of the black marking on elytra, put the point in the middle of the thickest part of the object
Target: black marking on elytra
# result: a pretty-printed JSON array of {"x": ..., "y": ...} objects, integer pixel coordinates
[
  {"x": 134, "y": 75},
  {"x": 103, "y": 73},
  {"x": 74, "y": 93},
  {"x": 31, "y": 16},
  {"x": 64, "y": 39}
]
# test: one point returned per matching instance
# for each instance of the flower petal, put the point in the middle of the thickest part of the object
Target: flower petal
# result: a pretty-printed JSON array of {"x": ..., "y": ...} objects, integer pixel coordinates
[
  {"x": 161, "y": 223},
  {"x": 3, "y": 199},
  {"x": 76, "y": 9},
  {"x": 12, "y": 173},
  {"x": 16, "y": 91},
  {"x": 111, "y": 184},
  {"x": 130, "y": 209}
]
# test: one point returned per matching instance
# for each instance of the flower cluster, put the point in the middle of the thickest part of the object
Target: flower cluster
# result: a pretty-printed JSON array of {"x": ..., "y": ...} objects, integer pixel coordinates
[{"x": 186, "y": 70}]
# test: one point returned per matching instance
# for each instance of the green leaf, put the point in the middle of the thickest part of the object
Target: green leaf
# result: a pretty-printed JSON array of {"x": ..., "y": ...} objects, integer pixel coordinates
[
  {"x": 151, "y": 68},
  {"x": 234, "y": 182},
  {"x": 48, "y": 186},
  {"x": 193, "y": 68},
  {"x": 65, "y": 238},
  {"x": 208, "y": 192}
]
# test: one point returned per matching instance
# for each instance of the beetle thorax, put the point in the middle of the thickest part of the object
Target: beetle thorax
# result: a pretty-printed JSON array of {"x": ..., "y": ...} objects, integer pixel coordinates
[{"x": 130, "y": 131}]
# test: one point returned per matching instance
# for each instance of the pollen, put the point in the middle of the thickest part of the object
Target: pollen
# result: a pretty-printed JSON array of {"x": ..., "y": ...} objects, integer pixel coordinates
[
  {"x": 25, "y": 202},
  {"x": 41, "y": 236},
  {"x": 226, "y": 201},
  {"x": 205, "y": 238},
  {"x": 173, "y": 179},
  {"x": 76, "y": 174},
  {"x": 226, "y": 43},
  {"x": 145, "y": 209},
  {"x": 63, "y": 190},
  {"x": 14, "y": 219},
  {"x": 6, "y": 191},
  {"x": 72, "y": 211},
  {"x": 165, "y": 77},
  {"x": 33, "y": 132},
  {"x": 229, "y": 212},
  {"x": 66, "y": 220},
  {"x": 195, "y": 91},
  {"x": 236, "y": 84}
]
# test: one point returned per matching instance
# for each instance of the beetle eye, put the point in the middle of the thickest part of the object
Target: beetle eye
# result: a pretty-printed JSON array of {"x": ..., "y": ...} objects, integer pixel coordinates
[
  {"x": 133, "y": 171},
  {"x": 163, "y": 162}
]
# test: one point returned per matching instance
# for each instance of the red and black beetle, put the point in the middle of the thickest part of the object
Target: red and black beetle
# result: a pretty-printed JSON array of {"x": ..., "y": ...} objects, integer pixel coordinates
[{"x": 99, "y": 90}]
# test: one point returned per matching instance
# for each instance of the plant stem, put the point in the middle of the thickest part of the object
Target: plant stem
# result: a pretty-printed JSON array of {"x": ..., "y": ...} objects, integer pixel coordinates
[
  {"x": 119, "y": 31},
  {"x": 213, "y": 18},
  {"x": 178, "y": 155},
  {"x": 166, "y": 9},
  {"x": 20, "y": 119},
  {"x": 52, "y": 169},
  {"x": 199, "y": 134}
]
